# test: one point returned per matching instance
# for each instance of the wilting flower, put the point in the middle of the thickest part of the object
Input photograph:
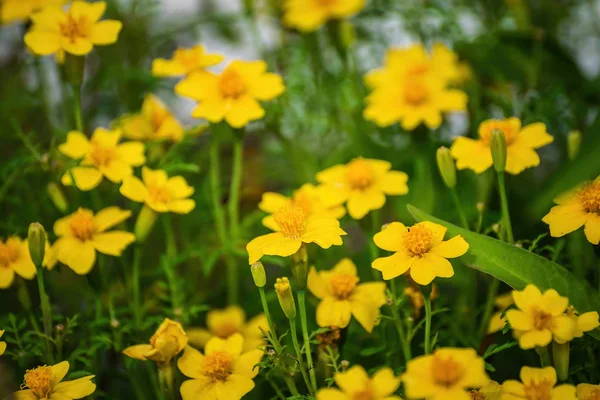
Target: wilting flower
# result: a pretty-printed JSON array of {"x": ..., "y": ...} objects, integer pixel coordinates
[
  {"x": 45, "y": 383},
  {"x": 233, "y": 95},
  {"x": 537, "y": 383},
  {"x": 356, "y": 384},
  {"x": 159, "y": 192},
  {"x": 540, "y": 317},
  {"x": 585, "y": 391},
  {"x": 342, "y": 296},
  {"x": 101, "y": 156},
  {"x": 223, "y": 371},
  {"x": 363, "y": 183},
  {"x": 420, "y": 249},
  {"x": 585, "y": 322},
  {"x": 309, "y": 15},
  {"x": 185, "y": 62},
  {"x": 502, "y": 302},
  {"x": 154, "y": 122},
  {"x": 14, "y": 258},
  {"x": 168, "y": 341},
  {"x": 577, "y": 208},
  {"x": 2, "y": 344},
  {"x": 228, "y": 321},
  {"x": 19, "y": 10},
  {"x": 521, "y": 144},
  {"x": 82, "y": 233},
  {"x": 74, "y": 31},
  {"x": 491, "y": 391}
]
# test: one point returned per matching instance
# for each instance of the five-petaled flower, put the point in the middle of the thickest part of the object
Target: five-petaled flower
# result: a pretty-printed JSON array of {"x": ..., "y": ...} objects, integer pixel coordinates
[
  {"x": 185, "y": 62},
  {"x": 154, "y": 122},
  {"x": 309, "y": 15},
  {"x": 19, "y": 10},
  {"x": 168, "y": 341},
  {"x": 45, "y": 383},
  {"x": 14, "y": 259},
  {"x": 537, "y": 383},
  {"x": 356, "y": 384}
]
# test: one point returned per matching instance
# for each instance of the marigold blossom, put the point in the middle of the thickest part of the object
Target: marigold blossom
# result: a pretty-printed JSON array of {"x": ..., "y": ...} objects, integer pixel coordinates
[
  {"x": 20, "y": 10},
  {"x": 168, "y": 341},
  {"x": 355, "y": 384},
  {"x": 537, "y": 383},
  {"x": 45, "y": 382},
  {"x": 154, "y": 122},
  {"x": 309, "y": 15},
  {"x": 14, "y": 259},
  {"x": 585, "y": 391},
  {"x": 2, "y": 344},
  {"x": 185, "y": 62}
]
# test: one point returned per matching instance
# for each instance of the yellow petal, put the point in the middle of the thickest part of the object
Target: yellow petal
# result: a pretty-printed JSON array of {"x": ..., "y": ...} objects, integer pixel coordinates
[
  {"x": 394, "y": 265},
  {"x": 360, "y": 203},
  {"x": 371, "y": 291},
  {"x": 76, "y": 389},
  {"x": 534, "y": 136},
  {"x": 212, "y": 110},
  {"x": 246, "y": 366},
  {"x": 563, "y": 328},
  {"x": 132, "y": 153},
  {"x": 77, "y": 255},
  {"x": 2, "y": 347},
  {"x": 198, "y": 337},
  {"x": 519, "y": 320},
  {"x": 425, "y": 269},
  {"x": 533, "y": 338},
  {"x": 283, "y": 247},
  {"x": 116, "y": 170},
  {"x": 333, "y": 175},
  {"x": 255, "y": 246},
  {"x": 109, "y": 217},
  {"x": 272, "y": 202},
  {"x": 438, "y": 231},
  {"x": 552, "y": 303},
  {"x": 394, "y": 183},
  {"x": 390, "y": 238},
  {"x": 588, "y": 321},
  {"x": 233, "y": 345},
  {"x": 91, "y": 11},
  {"x": 365, "y": 312},
  {"x": 86, "y": 178},
  {"x": 267, "y": 86},
  {"x": 76, "y": 146},
  {"x": 26, "y": 394},
  {"x": 513, "y": 387},
  {"x": 43, "y": 42},
  {"x": 138, "y": 351},
  {"x": 105, "y": 32},
  {"x": 23, "y": 266},
  {"x": 384, "y": 382},
  {"x": 163, "y": 67},
  {"x": 200, "y": 86},
  {"x": 472, "y": 154},
  {"x": 134, "y": 189},
  {"x": 183, "y": 206},
  {"x": 7, "y": 276},
  {"x": 585, "y": 390},
  {"x": 154, "y": 177},
  {"x": 520, "y": 157},
  {"x": 564, "y": 392},
  {"x": 235, "y": 387},
  {"x": 112, "y": 243},
  {"x": 333, "y": 312},
  {"x": 231, "y": 318},
  {"x": 331, "y": 394},
  {"x": 242, "y": 111},
  {"x": 352, "y": 381},
  {"x": 592, "y": 228},
  {"x": 345, "y": 266},
  {"x": 59, "y": 371},
  {"x": 530, "y": 375},
  {"x": 199, "y": 388},
  {"x": 455, "y": 247},
  {"x": 191, "y": 363},
  {"x": 316, "y": 284},
  {"x": 526, "y": 298},
  {"x": 78, "y": 46},
  {"x": 179, "y": 188}
]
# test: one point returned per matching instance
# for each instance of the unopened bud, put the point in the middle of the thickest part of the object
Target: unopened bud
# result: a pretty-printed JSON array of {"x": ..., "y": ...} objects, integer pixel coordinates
[
  {"x": 36, "y": 240},
  {"x": 60, "y": 327},
  {"x": 344, "y": 365},
  {"x": 286, "y": 298},
  {"x": 144, "y": 223},
  {"x": 573, "y": 144},
  {"x": 300, "y": 267},
  {"x": 480, "y": 206},
  {"x": 57, "y": 197},
  {"x": 258, "y": 274},
  {"x": 498, "y": 147},
  {"x": 446, "y": 166},
  {"x": 496, "y": 228},
  {"x": 560, "y": 353}
]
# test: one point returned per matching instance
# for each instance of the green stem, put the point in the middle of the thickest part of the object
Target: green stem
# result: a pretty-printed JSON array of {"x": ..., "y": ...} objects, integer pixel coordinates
[
  {"x": 307, "y": 349},
  {"x": 166, "y": 379},
  {"x": 135, "y": 278},
  {"x": 25, "y": 300},
  {"x": 506, "y": 225},
  {"x": 46, "y": 313},
  {"x": 489, "y": 308},
  {"x": 544, "y": 356},
  {"x": 168, "y": 264},
  {"x": 427, "y": 297},
  {"x": 461, "y": 213},
  {"x": 299, "y": 355},
  {"x": 234, "y": 191},
  {"x": 405, "y": 345},
  {"x": 77, "y": 107}
]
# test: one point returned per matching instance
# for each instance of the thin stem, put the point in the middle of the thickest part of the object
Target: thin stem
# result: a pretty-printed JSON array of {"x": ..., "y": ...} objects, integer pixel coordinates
[
  {"x": 299, "y": 355},
  {"x": 234, "y": 191},
  {"x": 166, "y": 379},
  {"x": 168, "y": 264},
  {"x": 263, "y": 299},
  {"x": 544, "y": 356},
  {"x": 405, "y": 345},
  {"x": 46, "y": 313},
  {"x": 427, "y": 344},
  {"x": 276, "y": 389},
  {"x": 461, "y": 213},
  {"x": 25, "y": 299},
  {"x": 135, "y": 278},
  {"x": 489, "y": 308},
  {"x": 77, "y": 107},
  {"x": 307, "y": 349},
  {"x": 506, "y": 225}
]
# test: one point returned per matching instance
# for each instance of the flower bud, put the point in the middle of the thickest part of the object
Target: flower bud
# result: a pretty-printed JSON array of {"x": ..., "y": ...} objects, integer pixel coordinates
[
  {"x": 300, "y": 267},
  {"x": 446, "y": 166},
  {"x": 286, "y": 298},
  {"x": 36, "y": 240},
  {"x": 560, "y": 353},
  {"x": 57, "y": 197},
  {"x": 144, "y": 223},
  {"x": 344, "y": 365},
  {"x": 498, "y": 147},
  {"x": 258, "y": 274},
  {"x": 573, "y": 144}
]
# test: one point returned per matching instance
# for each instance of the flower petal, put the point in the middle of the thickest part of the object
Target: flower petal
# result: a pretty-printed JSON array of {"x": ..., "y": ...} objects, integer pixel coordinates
[
  {"x": 390, "y": 237},
  {"x": 76, "y": 389},
  {"x": 7, "y": 276},
  {"x": 592, "y": 228},
  {"x": 182, "y": 206},
  {"x": 472, "y": 154},
  {"x": 534, "y": 136},
  {"x": 112, "y": 243},
  {"x": 520, "y": 157},
  {"x": 527, "y": 297},
  {"x": 333, "y": 312},
  {"x": 425, "y": 268},
  {"x": 138, "y": 351},
  {"x": 331, "y": 394},
  {"x": 455, "y": 247},
  {"x": 133, "y": 188},
  {"x": 105, "y": 32},
  {"x": 78, "y": 46},
  {"x": 366, "y": 312},
  {"x": 109, "y": 217},
  {"x": 565, "y": 218},
  {"x": 519, "y": 320},
  {"x": 245, "y": 365},
  {"x": 76, "y": 146},
  {"x": 191, "y": 363},
  {"x": 242, "y": 111},
  {"x": 86, "y": 178},
  {"x": 42, "y": 42},
  {"x": 394, "y": 265},
  {"x": 360, "y": 203},
  {"x": 316, "y": 284},
  {"x": 199, "y": 388},
  {"x": 394, "y": 183},
  {"x": 384, "y": 382},
  {"x": 132, "y": 153},
  {"x": 77, "y": 255},
  {"x": 271, "y": 202},
  {"x": 59, "y": 371},
  {"x": 353, "y": 380}
]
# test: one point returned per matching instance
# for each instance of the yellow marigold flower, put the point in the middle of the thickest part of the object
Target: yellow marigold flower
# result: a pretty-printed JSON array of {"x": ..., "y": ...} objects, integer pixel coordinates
[
  {"x": 154, "y": 122},
  {"x": 185, "y": 62},
  {"x": 168, "y": 341},
  {"x": 82, "y": 233},
  {"x": 309, "y": 15},
  {"x": 448, "y": 373},
  {"x": 159, "y": 192},
  {"x": 363, "y": 183},
  {"x": 420, "y": 249},
  {"x": 234, "y": 94},
  {"x": 224, "y": 371},
  {"x": 583, "y": 323},
  {"x": 46, "y": 383},
  {"x": 74, "y": 31},
  {"x": 521, "y": 144},
  {"x": 2, "y": 344},
  {"x": 497, "y": 323},
  {"x": 294, "y": 227},
  {"x": 14, "y": 258},
  {"x": 585, "y": 391},
  {"x": 537, "y": 383},
  {"x": 491, "y": 391},
  {"x": 101, "y": 156},
  {"x": 19, "y": 10},
  {"x": 356, "y": 384},
  {"x": 540, "y": 318},
  {"x": 577, "y": 208},
  {"x": 224, "y": 323}
]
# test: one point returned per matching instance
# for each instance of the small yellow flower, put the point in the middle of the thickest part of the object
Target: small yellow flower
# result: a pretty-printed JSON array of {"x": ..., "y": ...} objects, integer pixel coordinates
[
  {"x": 540, "y": 318},
  {"x": 185, "y": 62},
  {"x": 45, "y": 382},
  {"x": 583, "y": 323},
  {"x": 537, "y": 383},
  {"x": 50, "y": 258},
  {"x": 224, "y": 323},
  {"x": 222, "y": 372},
  {"x": 154, "y": 122},
  {"x": 168, "y": 341},
  {"x": 355, "y": 384},
  {"x": 19, "y": 10},
  {"x": 159, "y": 192},
  {"x": 491, "y": 391},
  {"x": 233, "y": 95},
  {"x": 363, "y": 183},
  {"x": 521, "y": 144},
  {"x": 2, "y": 344},
  {"x": 342, "y": 296},
  {"x": 14, "y": 258},
  {"x": 82, "y": 233},
  {"x": 448, "y": 373},
  {"x": 577, "y": 208},
  {"x": 294, "y": 227},
  {"x": 585, "y": 391},
  {"x": 309, "y": 15},
  {"x": 75, "y": 31},
  {"x": 497, "y": 323},
  {"x": 420, "y": 249}
]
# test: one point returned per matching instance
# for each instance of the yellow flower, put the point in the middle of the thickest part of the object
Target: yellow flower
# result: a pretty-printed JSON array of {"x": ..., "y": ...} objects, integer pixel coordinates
[
  {"x": 75, "y": 31},
  {"x": 50, "y": 258},
  {"x": 19, "y": 10},
  {"x": 82, "y": 233},
  {"x": 234, "y": 94},
  {"x": 583, "y": 323},
  {"x": 294, "y": 227},
  {"x": 540, "y": 318},
  {"x": 363, "y": 183},
  {"x": 223, "y": 372},
  {"x": 577, "y": 208},
  {"x": 497, "y": 323},
  {"x": 521, "y": 145},
  {"x": 224, "y": 323},
  {"x": 448, "y": 373},
  {"x": 491, "y": 391},
  {"x": 14, "y": 258},
  {"x": 2, "y": 344},
  {"x": 420, "y": 249},
  {"x": 185, "y": 62},
  {"x": 101, "y": 156},
  {"x": 585, "y": 391},
  {"x": 355, "y": 384},
  {"x": 168, "y": 341},
  {"x": 309, "y": 15},
  {"x": 46, "y": 383},
  {"x": 537, "y": 383},
  {"x": 159, "y": 192},
  {"x": 342, "y": 296},
  {"x": 154, "y": 122}
]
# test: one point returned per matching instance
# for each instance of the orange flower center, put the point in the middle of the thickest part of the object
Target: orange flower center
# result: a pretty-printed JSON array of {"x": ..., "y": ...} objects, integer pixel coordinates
[
  {"x": 218, "y": 366},
  {"x": 38, "y": 380},
  {"x": 595, "y": 395},
  {"x": 225, "y": 330},
  {"x": 538, "y": 390},
  {"x": 326, "y": 3},
  {"x": 446, "y": 372},
  {"x": 417, "y": 241},
  {"x": 159, "y": 194},
  {"x": 9, "y": 252},
  {"x": 510, "y": 134},
  {"x": 589, "y": 197},
  {"x": 291, "y": 220},
  {"x": 303, "y": 201},
  {"x": 477, "y": 395},
  {"x": 82, "y": 224},
  {"x": 359, "y": 174},
  {"x": 231, "y": 84},
  {"x": 366, "y": 394},
  {"x": 415, "y": 93},
  {"x": 541, "y": 319},
  {"x": 420, "y": 68},
  {"x": 102, "y": 156},
  {"x": 342, "y": 285},
  {"x": 187, "y": 58},
  {"x": 74, "y": 28}
]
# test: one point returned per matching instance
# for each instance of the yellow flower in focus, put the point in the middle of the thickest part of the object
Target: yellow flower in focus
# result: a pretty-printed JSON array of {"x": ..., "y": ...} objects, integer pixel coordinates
[
  {"x": 20, "y": 10},
  {"x": 43, "y": 383},
  {"x": 420, "y": 249},
  {"x": 224, "y": 323},
  {"x": 223, "y": 372},
  {"x": 75, "y": 31},
  {"x": 491, "y": 391},
  {"x": 82, "y": 233},
  {"x": 2, "y": 344},
  {"x": 233, "y": 95},
  {"x": 521, "y": 144},
  {"x": 14, "y": 258},
  {"x": 363, "y": 183},
  {"x": 185, "y": 62},
  {"x": 585, "y": 391},
  {"x": 448, "y": 373},
  {"x": 577, "y": 208},
  {"x": 537, "y": 383},
  {"x": 309, "y": 15},
  {"x": 540, "y": 318},
  {"x": 355, "y": 384},
  {"x": 159, "y": 192},
  {"x": 583, "y": 323},
  {"x": 168, "y": 341},
  {"x": 497, "y": 323},
  {"x": 154, "y": 122},
  {"x": 292, "y": 228},
  {"x": 342, "y": 296}
]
